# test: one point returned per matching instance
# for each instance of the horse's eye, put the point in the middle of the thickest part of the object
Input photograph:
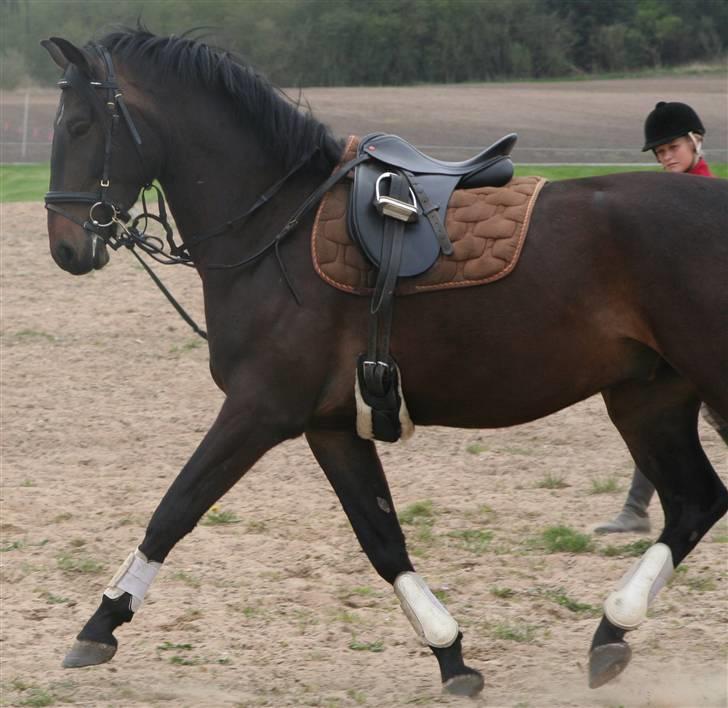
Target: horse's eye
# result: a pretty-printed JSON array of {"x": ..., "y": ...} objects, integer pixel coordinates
[{"x": 79, "y": 128}]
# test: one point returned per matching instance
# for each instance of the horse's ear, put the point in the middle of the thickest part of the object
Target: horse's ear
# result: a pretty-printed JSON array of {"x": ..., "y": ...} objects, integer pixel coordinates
[{"x": 64, "y": 53}]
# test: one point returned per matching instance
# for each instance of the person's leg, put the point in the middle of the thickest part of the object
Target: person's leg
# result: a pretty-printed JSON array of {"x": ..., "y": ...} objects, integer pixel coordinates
[
  {"x": 633, "y": 517},
  {"x": 714, "y": 419}
]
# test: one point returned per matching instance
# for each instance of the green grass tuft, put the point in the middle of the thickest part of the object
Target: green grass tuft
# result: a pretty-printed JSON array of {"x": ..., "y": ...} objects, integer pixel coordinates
[
  {"x": 376, "y": 647},
  {"x": 418, "y": 513},
  {"x": 476, "y": 448},
  {"x": 79, "y": 564},
  {"x": 636, "y": 548},
  {"x": 562, "y": 539},
  {"x": 218, "y": 516},
  {"x": 560, "y": 597},
  {"x": 604, "y": 486},
  {"x": 503, "y": 593},
  {"x": 551, "y": 481},
  {"x": 473, "y": 540},
  {"x": 514, "y": 632}
]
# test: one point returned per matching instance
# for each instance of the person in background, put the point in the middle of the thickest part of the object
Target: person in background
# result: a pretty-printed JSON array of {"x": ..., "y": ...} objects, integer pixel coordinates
[{"x": 674, "y": 133}]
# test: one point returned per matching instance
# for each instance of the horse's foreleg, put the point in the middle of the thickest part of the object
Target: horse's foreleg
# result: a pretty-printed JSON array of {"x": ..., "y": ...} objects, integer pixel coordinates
[
  {"x": 658, "y": 421},
  {"x": 353, "y": 468},
  {"x": 230, "y": 448}
]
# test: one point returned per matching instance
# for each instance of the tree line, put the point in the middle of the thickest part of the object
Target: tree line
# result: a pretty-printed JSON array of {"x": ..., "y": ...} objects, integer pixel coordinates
[{"x": 381, "y": 42}]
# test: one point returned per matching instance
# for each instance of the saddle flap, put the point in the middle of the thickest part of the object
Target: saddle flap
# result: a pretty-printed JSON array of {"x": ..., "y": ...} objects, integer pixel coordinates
[{"x": 420, "y": 248}]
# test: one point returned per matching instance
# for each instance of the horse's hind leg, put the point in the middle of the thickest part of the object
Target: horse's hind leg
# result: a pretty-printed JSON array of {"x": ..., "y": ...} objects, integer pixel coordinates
[
  {"x": 658, "y": 421},
  {"x": 230, "y": 448},
  {"x": 353, "y": 468}
]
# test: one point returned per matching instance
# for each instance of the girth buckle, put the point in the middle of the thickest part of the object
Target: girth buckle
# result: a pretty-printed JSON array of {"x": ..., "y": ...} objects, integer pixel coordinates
[{"x": 394, "y": 208}]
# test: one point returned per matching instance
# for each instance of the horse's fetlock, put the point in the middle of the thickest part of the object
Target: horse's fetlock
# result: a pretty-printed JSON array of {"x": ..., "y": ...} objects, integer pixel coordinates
[{"x": 110, "y": 614}]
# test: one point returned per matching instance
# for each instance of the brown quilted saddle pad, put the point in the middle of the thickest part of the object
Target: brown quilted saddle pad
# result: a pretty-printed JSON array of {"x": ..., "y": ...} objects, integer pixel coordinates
[{"x": 487, "y": 227}]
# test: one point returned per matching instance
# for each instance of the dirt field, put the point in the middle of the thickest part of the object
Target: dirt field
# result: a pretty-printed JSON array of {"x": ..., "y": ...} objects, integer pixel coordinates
[
  {"x": 105, "y": 393},
  {"x": 581, "y": 121}
]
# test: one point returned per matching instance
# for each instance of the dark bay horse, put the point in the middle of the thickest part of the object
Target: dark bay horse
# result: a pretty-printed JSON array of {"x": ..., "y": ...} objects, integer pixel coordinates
[{"x": 621, "y": 289}]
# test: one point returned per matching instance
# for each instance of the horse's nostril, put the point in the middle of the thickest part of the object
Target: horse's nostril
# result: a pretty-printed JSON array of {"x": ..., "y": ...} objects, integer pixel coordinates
[{"x": 65, "y": 254}]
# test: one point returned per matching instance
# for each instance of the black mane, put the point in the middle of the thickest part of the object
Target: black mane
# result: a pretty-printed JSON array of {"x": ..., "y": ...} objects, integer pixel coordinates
[{"x": 284, "y": 128}]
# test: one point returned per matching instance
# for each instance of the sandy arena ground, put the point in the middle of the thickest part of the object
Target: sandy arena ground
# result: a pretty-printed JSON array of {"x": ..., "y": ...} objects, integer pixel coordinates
[{"x": 105, "y": 393}]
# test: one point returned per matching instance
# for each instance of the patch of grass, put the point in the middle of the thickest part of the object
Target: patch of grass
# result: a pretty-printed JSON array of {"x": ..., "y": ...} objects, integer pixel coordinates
[
  {"x": 186, "y": 347},
  {"x": 38, "y": 697},
  {"x": 700, "y": 584},
  {"x": 503, "y": 593},
  {"x": 552, "y": 481},
  {"x": 13, "y": 546},
  {"x": 419, "y": 512},
  {"x": 169, "y": 646},
  {"x": 514, "y": 632},
  {"x": 441, "y": 595},
  {"x": 65, "y": 516},
  {"x": 218, "y": 516},
  {"x": 636, "y": 548},
  {"x": 52, "y": 599},
  {"x": 473, "y": 540},
  {"x": 184, "y": 661},
  {"x": 27, "y": 483},
  {"x": 604, "y": 486},
  {"x": 476, "y": 448},
  {"x": 24, "y": 183},
  {"x": 364, "y": 591},
  {"x": 557, "y": 172},
  {"x": 186, "y": 578},
  {"x": 562, "y": 539},
  {"x": 357, "y": 696},
  {"x": 347, "y": 617},
  {"x": 720, "y": 538},
  {"x": 79, "y": 564},
  {"x": 560, "y": 597},
  {"x": 376, "y": 647}
]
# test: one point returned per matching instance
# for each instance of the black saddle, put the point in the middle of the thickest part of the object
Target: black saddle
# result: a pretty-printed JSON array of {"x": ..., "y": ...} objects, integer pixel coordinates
[
  {"x": 431, "y": 181},
  {"x": 397, "y": 208}
]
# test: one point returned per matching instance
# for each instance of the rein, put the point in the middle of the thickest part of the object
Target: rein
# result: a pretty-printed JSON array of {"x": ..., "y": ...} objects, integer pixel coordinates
[{"x": 131, "y": 236}]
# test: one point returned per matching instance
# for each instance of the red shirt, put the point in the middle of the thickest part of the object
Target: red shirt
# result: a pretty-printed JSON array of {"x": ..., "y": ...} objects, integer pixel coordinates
[{"x": 700, "y": 168}]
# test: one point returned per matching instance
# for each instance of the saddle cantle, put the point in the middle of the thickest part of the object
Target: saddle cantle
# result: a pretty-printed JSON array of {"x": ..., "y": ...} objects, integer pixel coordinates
[{"x": 431, "y": 182}]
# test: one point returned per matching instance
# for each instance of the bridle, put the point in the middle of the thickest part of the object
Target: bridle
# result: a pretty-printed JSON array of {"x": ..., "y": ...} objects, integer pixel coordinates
[
  {"x": 116, "y": 217},
  {"x": 120, "y": 229}
]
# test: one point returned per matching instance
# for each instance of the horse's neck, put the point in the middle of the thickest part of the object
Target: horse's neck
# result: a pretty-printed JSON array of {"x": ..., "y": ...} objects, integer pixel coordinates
[
  {"x": 215, "y": 169},
  {"x": 212, "y": 167}
]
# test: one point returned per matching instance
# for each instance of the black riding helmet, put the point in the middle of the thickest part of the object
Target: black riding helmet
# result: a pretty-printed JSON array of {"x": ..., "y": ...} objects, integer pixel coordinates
[{"x": 669, "y": 121}]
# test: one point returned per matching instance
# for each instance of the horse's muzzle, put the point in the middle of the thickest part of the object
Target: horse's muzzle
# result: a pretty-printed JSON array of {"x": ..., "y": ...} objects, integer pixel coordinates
[{"x": 80, "y": 258}]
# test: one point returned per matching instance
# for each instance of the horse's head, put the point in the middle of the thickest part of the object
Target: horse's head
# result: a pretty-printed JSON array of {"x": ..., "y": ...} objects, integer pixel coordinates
[{"x": 97, "y": 164}]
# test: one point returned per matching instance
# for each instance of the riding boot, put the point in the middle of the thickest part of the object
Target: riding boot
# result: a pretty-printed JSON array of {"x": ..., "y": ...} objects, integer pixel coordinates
[
  {"x": 633, "y": 518},
  {"x": 716, "y": 421}
]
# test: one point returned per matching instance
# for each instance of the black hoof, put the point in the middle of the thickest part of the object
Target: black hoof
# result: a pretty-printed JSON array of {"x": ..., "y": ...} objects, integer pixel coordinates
[
  {"x": 470, "y": 684},
  {"x": 86, "y": 653},
  {"x": 607, "y": 661}
]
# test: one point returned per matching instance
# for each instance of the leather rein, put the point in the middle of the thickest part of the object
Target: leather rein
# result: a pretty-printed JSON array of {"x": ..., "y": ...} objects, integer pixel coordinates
[{"x": 115, "y": 226}]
